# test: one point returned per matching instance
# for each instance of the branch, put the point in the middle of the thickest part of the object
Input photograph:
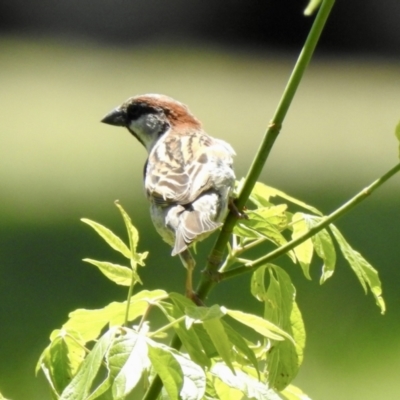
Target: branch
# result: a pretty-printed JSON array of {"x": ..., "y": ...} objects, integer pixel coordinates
[
  {"x": 358, "y": 198},
  {"x": 216, "y": 255}
]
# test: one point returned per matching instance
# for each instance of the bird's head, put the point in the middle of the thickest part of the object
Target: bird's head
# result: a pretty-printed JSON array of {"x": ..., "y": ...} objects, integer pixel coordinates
[{"x": 150, "y": 116}]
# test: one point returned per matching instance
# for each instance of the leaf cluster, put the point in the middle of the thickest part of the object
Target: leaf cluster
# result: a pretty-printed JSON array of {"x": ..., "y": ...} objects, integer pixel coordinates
[{"x": 106, "y": 353}]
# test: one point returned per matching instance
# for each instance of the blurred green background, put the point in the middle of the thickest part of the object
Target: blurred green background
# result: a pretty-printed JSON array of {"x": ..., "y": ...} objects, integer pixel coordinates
[{"x": 58, "y": 164}]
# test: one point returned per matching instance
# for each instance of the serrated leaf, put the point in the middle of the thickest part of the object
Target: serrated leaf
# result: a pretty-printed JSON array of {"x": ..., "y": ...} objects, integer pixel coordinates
[
  {"x": 364, "y": 271},
  {"x": 397, "y": 133},
  {"x": 262, "y": 193},
  {"x": 241, "y": 346},
  {"x": 323, "y": 246},
  {"x": 246, "y": 384},
  {"x": 203, "y": 313},
  {"x": 89, "y": 323},
  {"x": 189, "y": 338},
  {"x": 294, "y": 393},
  {"x": 61, "y": 358},
  {"x": 111, "y": 239},
  {"x": 80, "y": 386},
  {"x": 220, "y": 339},
  {"x": 257, "y": 226},
  {"x": 133, "y": 236},
  {"x": 303, "y": 251},
  {"x": 127, "y": 360},
  {"x": 117, "y": 273},
  {"x": 167, "y": 368},
  {"x": 194, "y": 378},
  {"x": 284, "y": 358},
  {"x": 260, "y": 325}
]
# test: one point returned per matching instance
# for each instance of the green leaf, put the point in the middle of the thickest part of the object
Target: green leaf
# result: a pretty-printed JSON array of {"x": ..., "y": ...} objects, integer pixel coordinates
[
  {"x": 241, "y": 346},
  {"x": 303, "y": 251},
  {"x": 262, "y": 193},
  {"x": 194, "y": 378},
  {"x": 246, "y": 384},
  {"x": 168, "y": 369},
  {"x": 81, "y": 384},
  {"x": 127, "y": 359},
  {"x": 89, "y": 323},
  {"x": 262, "y": 224},
  {"x": 364, "y": 271},
  {"x": 113, "y": 240},
  {"x": 61, "y": 359},
  {"x": 133, "y": 236},
  {"x": 216, "y": 331},
  {"x": 294, "y": 393},
  {"x": 284, "y": 358},
  {"x": 203, "y": 313},
  {"x": 117, "y": 273},
  {"x": 260, "y": 325},
  {"x": 182, "y": 378},
  {"x": 189, "y": 338},
  {"x": 323, "y": 246},
  {"x": 397, "y": 133}
]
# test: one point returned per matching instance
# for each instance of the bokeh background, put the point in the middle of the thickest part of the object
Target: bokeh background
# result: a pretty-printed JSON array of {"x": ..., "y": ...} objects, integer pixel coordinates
[{"x": 63, "y": 65}]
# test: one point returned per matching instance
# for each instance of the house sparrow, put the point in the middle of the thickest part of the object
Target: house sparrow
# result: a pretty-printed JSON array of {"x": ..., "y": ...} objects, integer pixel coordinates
[{"x": 188, "y": 176}]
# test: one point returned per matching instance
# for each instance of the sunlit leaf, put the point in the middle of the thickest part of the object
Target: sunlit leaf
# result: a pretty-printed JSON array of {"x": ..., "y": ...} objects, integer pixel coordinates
[
  {"x": 167, "y": 367},
  {"x": 194, "y": 378},
  {"x": 189, "y": 338},
  {"x": 323, "y": 246},
  {"x": 260, "y": 325},
  {"x": 117, "y": 273},
  {"x": 203, "y": 313},
  {"x": 133, "y": 236},
  {"x": 241, "y": 346},
  {"x": 81, "y": 384},
  {"x": 294, "y": 393},
  {"x": 303, "y": 251},
  {"x": 89, "y": 323},
  {"x": 246, "y": 384},
  {"x": 127, "y": 359},
  {"x": 220, "y": 339},
  {"x": 2, "y": 397},
  {"x": 364, "y": 271},
  {"x": 284, "y": 358},
  {"x": 257, "y": 226},
  {"x": 113, "y": 240},
  {"x": 261, "y": 194},
  {"x": 61, "y": 359}
]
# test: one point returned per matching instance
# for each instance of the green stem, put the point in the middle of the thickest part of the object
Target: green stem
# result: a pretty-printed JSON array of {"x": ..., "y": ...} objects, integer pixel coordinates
[
  {"x": 315, "y": 229},
  {"x": 216, "y": 256},
  {"x": 128, "y": 301}
]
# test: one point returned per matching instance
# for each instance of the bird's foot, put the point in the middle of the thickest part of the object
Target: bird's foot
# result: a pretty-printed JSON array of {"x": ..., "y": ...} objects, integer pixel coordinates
[{"x": 235, "y": 211}]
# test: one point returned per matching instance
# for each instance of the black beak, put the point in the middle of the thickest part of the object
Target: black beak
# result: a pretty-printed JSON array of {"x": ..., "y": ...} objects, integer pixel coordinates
[{"x": 116, "y": 117}]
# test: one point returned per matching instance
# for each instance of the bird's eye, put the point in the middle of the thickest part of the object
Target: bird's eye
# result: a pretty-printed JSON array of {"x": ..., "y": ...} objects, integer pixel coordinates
[{"x": 136, "y": 110}]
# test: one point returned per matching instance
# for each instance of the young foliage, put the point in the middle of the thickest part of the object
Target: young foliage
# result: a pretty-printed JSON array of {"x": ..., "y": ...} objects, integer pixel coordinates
[{"x": 109, "y": 351}]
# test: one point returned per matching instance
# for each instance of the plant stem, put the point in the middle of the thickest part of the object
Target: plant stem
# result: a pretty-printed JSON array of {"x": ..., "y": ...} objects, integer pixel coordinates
[
  {"x": 358, "y": 198},
  {"x": 216, "y": 255},
  {"x": 128, "y": 301}
]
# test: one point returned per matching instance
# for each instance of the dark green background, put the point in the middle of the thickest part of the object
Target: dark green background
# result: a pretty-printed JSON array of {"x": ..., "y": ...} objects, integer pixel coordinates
[{"x": 58, "y": 164}]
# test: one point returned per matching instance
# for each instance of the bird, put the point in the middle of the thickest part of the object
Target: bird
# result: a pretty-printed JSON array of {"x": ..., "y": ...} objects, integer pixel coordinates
[{"x": 188, "y": 176}]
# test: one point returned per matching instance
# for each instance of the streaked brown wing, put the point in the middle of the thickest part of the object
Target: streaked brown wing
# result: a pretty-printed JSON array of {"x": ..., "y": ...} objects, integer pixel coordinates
[{"x": 179, "y": 168}]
